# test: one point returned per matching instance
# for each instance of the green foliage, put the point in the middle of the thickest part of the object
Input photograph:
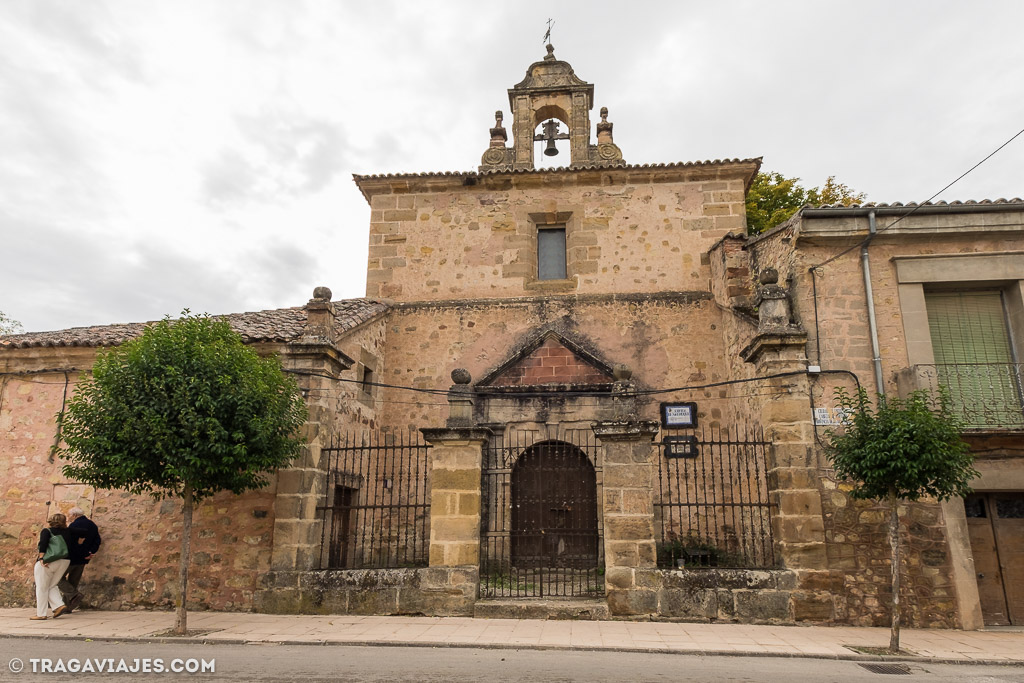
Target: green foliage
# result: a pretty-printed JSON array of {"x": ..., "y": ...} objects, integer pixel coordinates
[
  {"x": 186, "y": 404},
  {"x": 9, "y": 325},
  {"x": 834, "y": 193},
  {"x": 908, "y": 447},
  {"x": 773, "y": 199}
]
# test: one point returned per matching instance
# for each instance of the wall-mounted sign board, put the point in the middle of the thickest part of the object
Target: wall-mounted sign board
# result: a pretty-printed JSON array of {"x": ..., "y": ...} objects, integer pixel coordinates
[
  {"x": 680, "y": 446},
  {"x": 679, "y": 415}
]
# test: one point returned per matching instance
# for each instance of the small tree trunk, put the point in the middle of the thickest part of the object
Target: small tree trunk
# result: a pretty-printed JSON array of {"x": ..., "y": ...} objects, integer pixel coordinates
[
  {"x": 894, "y": 544},
  {"x": 181, "y": 625}
]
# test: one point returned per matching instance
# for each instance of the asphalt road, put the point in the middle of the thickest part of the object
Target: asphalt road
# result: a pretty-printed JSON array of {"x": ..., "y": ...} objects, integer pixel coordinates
[{"x": 313, "y": 664}]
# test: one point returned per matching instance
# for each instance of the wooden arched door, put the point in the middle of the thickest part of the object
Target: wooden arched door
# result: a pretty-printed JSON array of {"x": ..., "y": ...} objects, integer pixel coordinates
[{"x": 554, "y": 508}]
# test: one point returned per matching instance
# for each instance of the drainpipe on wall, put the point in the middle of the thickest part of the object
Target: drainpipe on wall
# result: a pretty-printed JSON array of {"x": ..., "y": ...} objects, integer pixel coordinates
[{"x": 872, "y": 326}]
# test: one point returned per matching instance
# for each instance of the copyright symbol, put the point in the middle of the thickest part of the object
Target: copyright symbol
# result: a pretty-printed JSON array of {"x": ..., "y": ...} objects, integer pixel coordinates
[{"x": 16, "y": 666}]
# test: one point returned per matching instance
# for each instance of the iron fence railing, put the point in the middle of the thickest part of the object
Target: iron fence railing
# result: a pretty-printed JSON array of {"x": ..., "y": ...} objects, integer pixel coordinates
[
  {"x": 714, "y": 509},
  {"x": 984, "y": 395},
  {"x": 376, "y": 511}
]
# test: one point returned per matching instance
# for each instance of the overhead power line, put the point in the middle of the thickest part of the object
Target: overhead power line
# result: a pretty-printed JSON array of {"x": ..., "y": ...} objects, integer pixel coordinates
[{"x": 919, "y": 206}]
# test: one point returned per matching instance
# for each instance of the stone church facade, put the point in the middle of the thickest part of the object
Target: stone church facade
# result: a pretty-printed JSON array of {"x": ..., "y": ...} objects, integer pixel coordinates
[{"x": 584, "y": 391}]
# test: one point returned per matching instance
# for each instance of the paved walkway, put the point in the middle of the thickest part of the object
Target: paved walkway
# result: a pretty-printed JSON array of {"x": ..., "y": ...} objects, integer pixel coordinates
[{"x": 991, "y": 646}]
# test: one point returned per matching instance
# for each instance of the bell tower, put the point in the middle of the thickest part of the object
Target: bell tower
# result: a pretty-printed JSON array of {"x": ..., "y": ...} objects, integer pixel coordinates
[{"x": 551, "y": 94}]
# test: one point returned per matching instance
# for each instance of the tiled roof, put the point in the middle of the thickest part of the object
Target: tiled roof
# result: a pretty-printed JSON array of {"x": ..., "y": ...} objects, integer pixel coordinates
[
  {"x": 912, "y": 205},
  {"x": 575, "y": 167},
  {"x": 275, "y": 325}
]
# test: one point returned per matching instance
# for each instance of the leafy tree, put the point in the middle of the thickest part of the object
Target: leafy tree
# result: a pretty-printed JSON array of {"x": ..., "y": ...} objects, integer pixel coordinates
[
  {"x": 9, "y": 325},
  {"x": 900, "y": 449},
  {"x": 773, "y": 199},
  {"x": 833, "y": 192},
  {"x": 185, "y": 410}
]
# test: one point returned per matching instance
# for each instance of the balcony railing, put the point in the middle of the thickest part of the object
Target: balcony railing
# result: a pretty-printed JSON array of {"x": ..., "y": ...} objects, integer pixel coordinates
[{"x": 985, "y": 395}]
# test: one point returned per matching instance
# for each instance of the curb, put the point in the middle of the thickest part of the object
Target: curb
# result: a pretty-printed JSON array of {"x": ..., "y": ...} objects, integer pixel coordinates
[{"x": 852, "y": 657}]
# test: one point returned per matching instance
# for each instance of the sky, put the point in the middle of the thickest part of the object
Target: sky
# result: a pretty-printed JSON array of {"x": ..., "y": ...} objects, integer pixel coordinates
[{"x": 158, "y": 155}]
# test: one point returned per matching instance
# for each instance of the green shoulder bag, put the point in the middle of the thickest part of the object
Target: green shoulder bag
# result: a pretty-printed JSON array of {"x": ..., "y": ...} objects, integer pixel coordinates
[{"x": 57, "y": 550}]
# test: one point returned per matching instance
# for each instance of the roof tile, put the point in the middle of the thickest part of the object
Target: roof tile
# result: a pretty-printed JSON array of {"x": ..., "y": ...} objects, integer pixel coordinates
[{"x": 274, "y": 325}]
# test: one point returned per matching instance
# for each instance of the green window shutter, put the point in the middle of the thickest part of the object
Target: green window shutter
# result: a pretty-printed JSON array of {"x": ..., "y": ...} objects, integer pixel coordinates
[
  {"x": 973, "y": 356},
  {"x": 968, "y": 327}
]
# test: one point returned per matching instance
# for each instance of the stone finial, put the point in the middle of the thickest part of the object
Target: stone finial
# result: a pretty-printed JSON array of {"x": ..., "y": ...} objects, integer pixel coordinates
[
  {"x": 498, "y": 135},
  {"x": 604, "y": 129},
  {"x": 460, "y": 400},
  {"x": 772, "y": 301},
  {"x": 621, "y": 372},
  {"x": 320, "y": 315},
  {"x": 550, "y": 56}
]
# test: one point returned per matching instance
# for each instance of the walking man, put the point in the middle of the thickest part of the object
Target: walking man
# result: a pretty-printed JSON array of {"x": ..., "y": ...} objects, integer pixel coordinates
[{"x": 79, "y": 553}]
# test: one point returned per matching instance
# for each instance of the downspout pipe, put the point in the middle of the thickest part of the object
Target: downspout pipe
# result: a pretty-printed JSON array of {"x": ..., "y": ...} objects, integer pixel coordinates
[{"x": 876, "y": 354}]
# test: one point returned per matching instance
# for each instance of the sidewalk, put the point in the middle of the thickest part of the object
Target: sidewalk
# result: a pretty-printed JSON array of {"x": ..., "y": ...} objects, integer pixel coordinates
[{"x": 991, "y": 647}]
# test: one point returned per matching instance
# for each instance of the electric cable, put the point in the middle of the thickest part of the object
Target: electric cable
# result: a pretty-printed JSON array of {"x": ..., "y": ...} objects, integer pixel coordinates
[{"x": 919, "y": 206}]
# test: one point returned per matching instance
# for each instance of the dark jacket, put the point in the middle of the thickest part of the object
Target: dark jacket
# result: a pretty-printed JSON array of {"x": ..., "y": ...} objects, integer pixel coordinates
[
  {"x": 70, "y": 536},
  {"x": 89, "y": 544}
]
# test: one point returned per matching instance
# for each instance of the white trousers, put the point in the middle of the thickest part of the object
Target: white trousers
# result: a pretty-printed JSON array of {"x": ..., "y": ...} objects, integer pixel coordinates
[{"x": 47, "y": 578}]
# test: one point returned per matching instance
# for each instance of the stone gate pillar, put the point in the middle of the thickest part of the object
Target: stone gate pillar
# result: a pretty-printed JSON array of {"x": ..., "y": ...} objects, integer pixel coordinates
[
  {"x": 628, "y": 506},
  {"x": 798, "y": 526},
  {"x": 317, "y": 364},
  {"x": 456, "y": 460}
]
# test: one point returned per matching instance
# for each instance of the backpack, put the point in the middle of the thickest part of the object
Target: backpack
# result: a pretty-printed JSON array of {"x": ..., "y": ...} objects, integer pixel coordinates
[{"x": 57, "y": 550}]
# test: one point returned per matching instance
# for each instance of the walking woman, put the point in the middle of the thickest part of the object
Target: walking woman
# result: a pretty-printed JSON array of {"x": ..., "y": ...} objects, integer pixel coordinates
[{"x": 49, "y": 575}]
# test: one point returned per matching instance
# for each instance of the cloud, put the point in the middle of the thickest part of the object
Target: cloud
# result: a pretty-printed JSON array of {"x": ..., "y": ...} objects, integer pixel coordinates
[
  {"x": 278, "y": 154},
  {"x": 81, "y": 279}
]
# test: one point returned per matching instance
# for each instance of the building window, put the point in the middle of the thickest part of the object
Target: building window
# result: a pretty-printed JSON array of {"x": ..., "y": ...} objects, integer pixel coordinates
[
  {"x": 365, "y": 378},
  {"x": 551, "y": 252},
  {"x": 974, "y": 356}
]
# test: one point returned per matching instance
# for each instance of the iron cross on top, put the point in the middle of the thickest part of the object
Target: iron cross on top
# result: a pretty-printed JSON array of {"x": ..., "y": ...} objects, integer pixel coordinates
[{"x": 547, "y": 34}]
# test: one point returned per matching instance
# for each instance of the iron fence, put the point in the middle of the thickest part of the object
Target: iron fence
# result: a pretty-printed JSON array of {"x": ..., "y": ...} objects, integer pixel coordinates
[
  {"x": 984, "y": 395},
  {"x": 540, "y": 534},
  {"x": 714, "y": 509},
  {"x": 376, "y": 511}
]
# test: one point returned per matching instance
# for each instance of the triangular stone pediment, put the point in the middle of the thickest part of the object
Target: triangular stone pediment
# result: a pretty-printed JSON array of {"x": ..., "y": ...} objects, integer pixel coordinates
[{"x": 550, "y": 359}]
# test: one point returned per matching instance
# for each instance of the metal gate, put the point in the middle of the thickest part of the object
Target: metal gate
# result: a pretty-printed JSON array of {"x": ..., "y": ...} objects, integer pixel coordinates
[
  {"x": 540, "y": 535},
  {"x": 376, "y": 508}
]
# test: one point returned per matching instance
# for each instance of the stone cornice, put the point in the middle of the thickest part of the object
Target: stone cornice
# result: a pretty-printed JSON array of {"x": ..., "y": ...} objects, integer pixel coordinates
[
  {"x": 631, "y": 298},
  {"x": 626, "y": 430},
  {"x": 583, "y": 174},
  {"x": 774, "y": 340},
  {"x": 456, "y": 435}
]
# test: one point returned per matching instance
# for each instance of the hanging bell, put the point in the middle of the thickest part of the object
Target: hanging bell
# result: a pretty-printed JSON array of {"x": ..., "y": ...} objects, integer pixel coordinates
[{"x": 550, "y": 150}]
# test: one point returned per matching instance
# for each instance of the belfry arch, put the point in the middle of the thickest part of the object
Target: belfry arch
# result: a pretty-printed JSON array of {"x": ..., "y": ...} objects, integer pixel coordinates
[{"x": 551, "y": 90}]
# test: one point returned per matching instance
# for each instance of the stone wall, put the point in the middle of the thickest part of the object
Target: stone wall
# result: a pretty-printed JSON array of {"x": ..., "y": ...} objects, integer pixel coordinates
[
  {"x": 653, "y": 334},
  {"x": 433, "y": 591},
  {"x": 777, "y": 596},
  {"x": 857, "y": 540},
  {"x": 233, "y": 536},
  {"x": 138, "y": 562},
  {"x": 626, "y": 231}
]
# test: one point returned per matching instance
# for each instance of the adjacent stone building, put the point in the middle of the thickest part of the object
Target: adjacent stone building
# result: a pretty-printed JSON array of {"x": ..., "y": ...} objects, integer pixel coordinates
[{"x": 584, "y": 391}]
